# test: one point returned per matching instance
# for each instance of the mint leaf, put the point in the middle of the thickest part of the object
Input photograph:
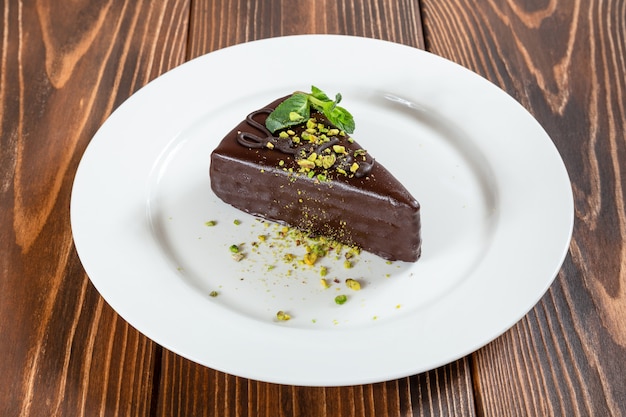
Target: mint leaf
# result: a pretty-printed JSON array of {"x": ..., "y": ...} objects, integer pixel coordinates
[
  {"x": 285, "y": 114},
  {"x": 341, "y": 118},
  {"x": 319, "y": 94},
  {"x": 296, "y": 110}
]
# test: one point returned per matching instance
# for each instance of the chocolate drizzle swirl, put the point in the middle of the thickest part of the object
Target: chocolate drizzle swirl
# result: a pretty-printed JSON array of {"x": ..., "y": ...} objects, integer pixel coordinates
[{"x": 256, "y": 142}]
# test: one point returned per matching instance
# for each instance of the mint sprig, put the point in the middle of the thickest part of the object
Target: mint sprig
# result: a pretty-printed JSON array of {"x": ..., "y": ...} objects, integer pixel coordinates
[{"x": 297, "y": 109}]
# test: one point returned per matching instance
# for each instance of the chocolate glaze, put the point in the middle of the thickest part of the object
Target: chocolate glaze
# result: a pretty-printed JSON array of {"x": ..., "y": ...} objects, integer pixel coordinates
[{"x": 370, "y": 209}]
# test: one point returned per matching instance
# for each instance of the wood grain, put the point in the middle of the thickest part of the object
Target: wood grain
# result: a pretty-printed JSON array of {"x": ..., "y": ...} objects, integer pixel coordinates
[
  {"x": 188, "y": 389},
  {"x": 64, "y": 68},
  {"x": 564, "y": 61},
  {"x": 221, "y": 23}
]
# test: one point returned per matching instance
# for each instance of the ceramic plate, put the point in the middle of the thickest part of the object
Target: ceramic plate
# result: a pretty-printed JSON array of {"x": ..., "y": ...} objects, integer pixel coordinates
[{"x": 497, "y": 215}]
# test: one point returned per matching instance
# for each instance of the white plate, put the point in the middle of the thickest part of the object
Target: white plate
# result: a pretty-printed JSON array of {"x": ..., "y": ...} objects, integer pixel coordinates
[{"x": 497, "y": 214}]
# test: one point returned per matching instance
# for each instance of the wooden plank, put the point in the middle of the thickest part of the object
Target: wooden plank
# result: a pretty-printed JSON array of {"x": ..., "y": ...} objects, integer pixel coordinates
[
  {"x": 188, "y": 389},
  {"x": 221, "y": 23},
  {"x": 565, "y": 63},
  {"x": 64, "y": 68}
]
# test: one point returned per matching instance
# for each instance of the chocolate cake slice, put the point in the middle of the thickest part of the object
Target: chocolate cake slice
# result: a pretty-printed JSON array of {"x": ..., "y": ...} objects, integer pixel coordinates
[{"x": 315, "y": 177}]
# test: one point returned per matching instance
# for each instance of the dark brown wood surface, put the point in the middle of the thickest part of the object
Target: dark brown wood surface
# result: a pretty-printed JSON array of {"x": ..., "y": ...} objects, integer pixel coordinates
[{"x": 65, "y": 66}]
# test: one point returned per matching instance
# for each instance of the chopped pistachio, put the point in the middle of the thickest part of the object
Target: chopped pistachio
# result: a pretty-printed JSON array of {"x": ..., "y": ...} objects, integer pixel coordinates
[
  {"x": 341, "y": 299},
  {"x": 328, "y": 160},
  {"x": 295, "y": 116},
  {"x": 210, "y": 223},
  {"x": 213, "y": 294},
  {"x": 353, "y": 284},
  {"x": 282, "y": 316},
  {"x": 269, "y": 145},
  {"x": 339, "y": 149},
  {"x": 236, "y": 222},
  {"x": 324, "y": 283},
  {"x": 354, "y": 167},
  {"x": 283, "y": 135},
  {"x": 306, "y": 164},
  {"x": 310, "y": 258},
  {"x": 234, "y": 248},
  {"x": 323, "y": 271}
]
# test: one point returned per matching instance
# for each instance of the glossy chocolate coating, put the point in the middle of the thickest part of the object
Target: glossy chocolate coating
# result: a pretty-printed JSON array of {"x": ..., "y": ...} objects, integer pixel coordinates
[{"x": 373, "y": 210}]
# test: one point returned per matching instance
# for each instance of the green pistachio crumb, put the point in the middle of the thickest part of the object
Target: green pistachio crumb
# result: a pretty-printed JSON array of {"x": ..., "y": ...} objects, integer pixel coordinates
[
  {"x": 341, "y": 299},
  {"x": 328, "y": 161},
  {"x": 236, "y": 222},
  {"x": 295, "y": 116},
  {"x": 213, "y": 294},
  {"x": 234, "y": 248},
  {"x": 210, "y": 223}
]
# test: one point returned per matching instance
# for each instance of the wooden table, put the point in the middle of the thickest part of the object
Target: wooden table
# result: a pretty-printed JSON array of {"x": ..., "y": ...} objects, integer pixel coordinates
[{"x": 65, "y": 66}]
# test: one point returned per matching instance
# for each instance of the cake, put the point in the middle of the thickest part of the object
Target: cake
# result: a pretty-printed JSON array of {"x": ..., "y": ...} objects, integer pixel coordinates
[{"x": 307, "y": 172}]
